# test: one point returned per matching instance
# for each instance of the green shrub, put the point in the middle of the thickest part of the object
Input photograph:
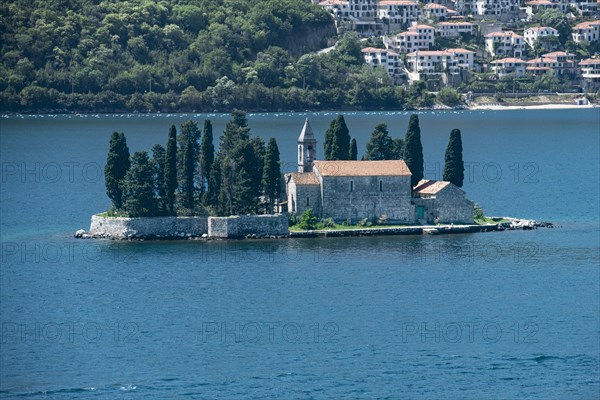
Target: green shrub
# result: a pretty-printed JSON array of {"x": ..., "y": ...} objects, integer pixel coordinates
[{"x": 307, "y": 220}]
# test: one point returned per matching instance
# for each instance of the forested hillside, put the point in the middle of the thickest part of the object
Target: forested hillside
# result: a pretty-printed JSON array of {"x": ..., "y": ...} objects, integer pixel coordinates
[{"x": 141, "y": 55}]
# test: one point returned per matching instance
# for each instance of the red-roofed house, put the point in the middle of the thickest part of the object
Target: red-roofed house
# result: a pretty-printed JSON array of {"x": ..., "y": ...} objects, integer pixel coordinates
[
  {"x": 565, "y": 61},
  {"x": 417, "y": 37},
  {"x": 540, "y": 33},
  {"x": 451, "y": 61},
  {"x": 388, "y": 59},
  {"x": 590, "y": 72},
  {"x": 587, "y": 32},
  {"x": 509, "y": 66},
  {"x": 436, "y": 11}
]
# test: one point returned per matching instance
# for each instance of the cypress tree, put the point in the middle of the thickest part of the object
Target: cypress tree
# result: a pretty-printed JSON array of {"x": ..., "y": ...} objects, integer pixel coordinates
[
  {"x": 337, "y": 140},
  {"x": 256, "y": 164},
  {"x": 272, "y": 174},
  {"x": 117, "y": 165},
  {"x": 207, "y": 155},
  {"x": 413, "y": 150},
  {"x": 214, "y": 185},
  {"x": 189, "y": 154},
  {"x": 380, "y": 145},
  {"x": 353, "y": 150},
  {"x": 170, "y": 176},
  {"x": 158, "y": 165},
  {"x": 454, "y": 169},
  {"x": 139, "y": 200}
]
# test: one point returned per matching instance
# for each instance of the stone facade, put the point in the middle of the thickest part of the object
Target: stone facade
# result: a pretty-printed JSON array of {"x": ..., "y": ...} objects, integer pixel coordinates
[
  {"x": 440, "y": 201},
  {"x": 353, "y": 198},
  {"x": 248, "y": 225},
  {"x": 303, "y": 192}
]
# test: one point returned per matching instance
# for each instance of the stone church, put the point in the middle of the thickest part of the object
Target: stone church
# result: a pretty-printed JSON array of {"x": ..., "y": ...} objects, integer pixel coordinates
[{"x": 354, "y": 190}]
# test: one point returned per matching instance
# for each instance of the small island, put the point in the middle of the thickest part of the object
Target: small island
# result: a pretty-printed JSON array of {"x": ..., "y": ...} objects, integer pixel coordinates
[{"x": 187, "y": 191}]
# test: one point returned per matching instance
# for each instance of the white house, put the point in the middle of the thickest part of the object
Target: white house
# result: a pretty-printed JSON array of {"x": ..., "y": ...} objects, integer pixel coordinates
[
  {"x": 497, "y": 8},
  {"x": 587, "y": 32},
  {"x": 453, "y": 29},
  {"x": 505, "y": 43},
  {"x": 590, "y": 72},
  {"x": 586, "y": 8},
  {"x": 541, "y": 65},
  {"x": 538, "y": 32},
  {"x": 388, "y": 59},
  {"x": 435, "y": 11},
  {"x": 509, "y": 66},
  {"x": 565, "y": 61},
  {"x": 417, "y": 37},
  {"x": 450, "y": 61},
  {"x": 398, "y": 12}
]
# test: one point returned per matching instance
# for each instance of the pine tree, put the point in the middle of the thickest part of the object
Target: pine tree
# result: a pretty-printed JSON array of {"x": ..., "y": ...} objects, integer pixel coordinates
[
  {"x": 380, "y": 145},
  {"x": 170, "y": 177},
  {"x": 117, "y": 165},
  {"x": 413, "y": 150},
  {"x": 272, "y": 174},
  {"x": 337, "y": 140},
  {"x": 189, "y": 150},
  {"x": 158, "y": 165},
  {"x": 207, "y": 155},
  {"x": 398, "y": 149},
  {"x": 139, "y": 200},
  {"x": 353, "y": 150},
  {"x": 454, "y": 169}
]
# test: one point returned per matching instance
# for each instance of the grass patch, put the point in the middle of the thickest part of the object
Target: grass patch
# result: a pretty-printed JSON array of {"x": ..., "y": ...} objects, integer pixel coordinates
[{"x": 340, "y": 227}]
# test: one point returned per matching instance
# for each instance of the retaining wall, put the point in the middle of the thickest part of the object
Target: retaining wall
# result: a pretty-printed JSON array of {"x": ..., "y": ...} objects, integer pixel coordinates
[{"x": 248, "y": 225}]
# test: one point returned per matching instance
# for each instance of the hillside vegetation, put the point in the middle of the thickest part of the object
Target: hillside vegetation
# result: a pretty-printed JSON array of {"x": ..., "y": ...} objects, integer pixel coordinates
[{"x": 148, "y": 55}]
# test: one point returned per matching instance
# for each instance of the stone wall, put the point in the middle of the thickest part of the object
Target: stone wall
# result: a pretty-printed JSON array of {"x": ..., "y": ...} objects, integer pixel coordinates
[
  {"x": 148, "y": 228},
  {"x": 189, "y": 227},
  {"x": 355, "y": 198},
  {"x": 248, "y": 226}
]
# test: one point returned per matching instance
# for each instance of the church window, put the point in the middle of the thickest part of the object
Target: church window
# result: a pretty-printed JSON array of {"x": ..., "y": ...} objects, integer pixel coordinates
[
  {"x": 381, "y": 186},
  {"x": 351, "y": 186}
]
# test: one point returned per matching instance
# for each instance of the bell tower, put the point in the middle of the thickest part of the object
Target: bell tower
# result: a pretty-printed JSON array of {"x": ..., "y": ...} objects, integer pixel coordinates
[{"x": 307, "y": 148}]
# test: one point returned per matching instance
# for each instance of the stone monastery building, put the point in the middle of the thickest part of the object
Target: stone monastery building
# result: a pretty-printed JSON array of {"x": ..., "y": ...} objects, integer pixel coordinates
[{"x": 355, "y": 190}]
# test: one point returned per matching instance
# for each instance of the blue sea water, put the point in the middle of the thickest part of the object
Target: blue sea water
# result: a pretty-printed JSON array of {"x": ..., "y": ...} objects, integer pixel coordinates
[{"x": 502, "y": 315}]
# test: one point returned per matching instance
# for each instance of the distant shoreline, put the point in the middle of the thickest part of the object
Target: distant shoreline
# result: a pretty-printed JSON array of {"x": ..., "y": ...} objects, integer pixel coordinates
[
  {"x": 475, "y": 107},
  {"x": 550, "y": 106}
]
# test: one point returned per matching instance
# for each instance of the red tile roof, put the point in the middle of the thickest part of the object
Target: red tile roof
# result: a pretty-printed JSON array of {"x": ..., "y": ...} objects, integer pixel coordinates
[
  {"x": 304, "y": 178},
  {"x": 430, "y": 187},
  {"x": 362, "y": 168}
]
